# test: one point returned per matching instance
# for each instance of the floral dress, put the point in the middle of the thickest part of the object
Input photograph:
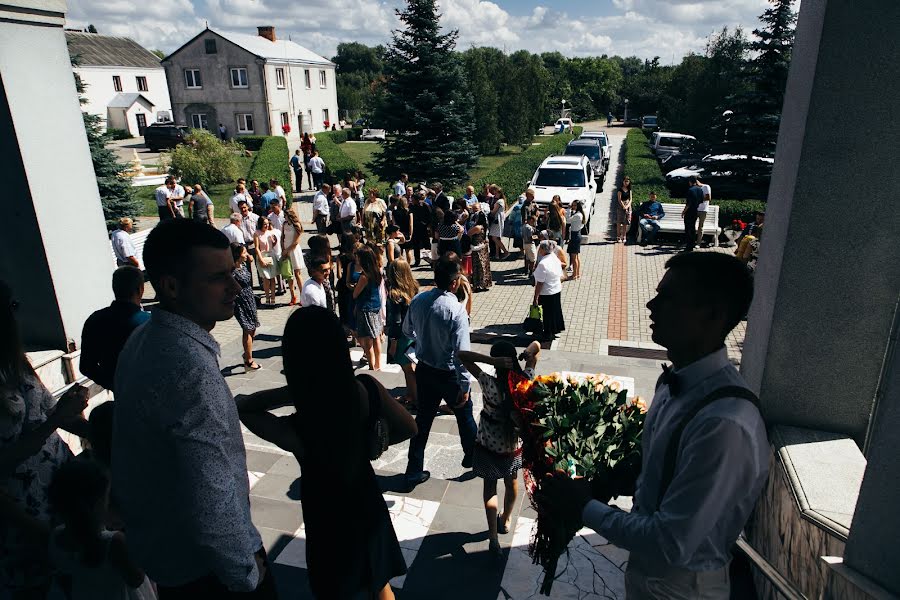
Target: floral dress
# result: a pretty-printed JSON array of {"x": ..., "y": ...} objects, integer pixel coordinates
[
  {"x": 481, "y": 263},
  {"x": 22, "y": 410}
]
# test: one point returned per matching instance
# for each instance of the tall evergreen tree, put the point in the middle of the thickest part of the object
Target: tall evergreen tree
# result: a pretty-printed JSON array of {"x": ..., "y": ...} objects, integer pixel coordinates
[
  {"x": 486, "y": 135},
  {"x": 425, "y": 102},
  {"x": 755, "y": 114}
]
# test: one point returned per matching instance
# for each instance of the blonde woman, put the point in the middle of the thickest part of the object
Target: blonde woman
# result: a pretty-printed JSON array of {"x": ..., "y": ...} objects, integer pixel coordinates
[
  {"x": 556, "y": 220},
  {"x": 290, "y": 240},
  {"x": 374, "y": 217},
  {"x": 623, "y": 210},
  {"x": 401, "y": 289},
  {"x": 264, "y": 242}
]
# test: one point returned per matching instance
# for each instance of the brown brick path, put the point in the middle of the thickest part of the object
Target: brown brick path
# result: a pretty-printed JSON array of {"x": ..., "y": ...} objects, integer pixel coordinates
[{"x": 617, "y": 328}]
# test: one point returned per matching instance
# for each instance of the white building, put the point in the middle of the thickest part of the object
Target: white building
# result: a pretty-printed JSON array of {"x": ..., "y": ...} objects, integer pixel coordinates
[
  {"x": 125, "y": 84},
  {"x": 253, "y": 84}
]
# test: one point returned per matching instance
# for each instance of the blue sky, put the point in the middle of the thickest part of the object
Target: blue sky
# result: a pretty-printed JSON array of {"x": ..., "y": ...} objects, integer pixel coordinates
[{"x": 644, "y": 28}]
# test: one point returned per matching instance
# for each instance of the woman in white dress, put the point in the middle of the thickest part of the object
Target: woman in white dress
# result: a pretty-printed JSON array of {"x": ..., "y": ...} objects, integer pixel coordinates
[
  {"x": 265, "y": 242},
  {"x": 291, "y": 252},
  {"x": 495, "y": 224}
]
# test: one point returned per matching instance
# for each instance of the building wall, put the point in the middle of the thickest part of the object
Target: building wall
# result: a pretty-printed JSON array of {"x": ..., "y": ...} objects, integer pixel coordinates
[
  {"x": 296, "y": 99},
  {"x": 99, "y": 89},
  {"x": 221, "y": 101}
]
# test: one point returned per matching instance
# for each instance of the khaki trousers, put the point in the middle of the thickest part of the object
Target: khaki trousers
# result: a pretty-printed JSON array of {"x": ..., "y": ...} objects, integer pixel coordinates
[
  {"x": 644, "y": 581},
  {"x": 701, "y": 219}
]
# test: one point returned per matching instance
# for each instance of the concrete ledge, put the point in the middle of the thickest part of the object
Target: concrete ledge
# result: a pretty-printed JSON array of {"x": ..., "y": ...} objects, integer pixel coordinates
[{"x": 846, "y": 583}]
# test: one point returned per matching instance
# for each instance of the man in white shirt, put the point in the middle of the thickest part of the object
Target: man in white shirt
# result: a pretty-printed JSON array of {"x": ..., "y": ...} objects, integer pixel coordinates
[
  {"x": 705, "y": 449},
  {"x": 233, "y": 230},
  {"x": 164, "y": 203},
  {"x": 320, "y": 209},
  {"x": 121, "y": 244},
  {"x": 248, "y": 225},
  {"x": 279, "y": 191},
  {"x": 400, "y": 185},
  {"x": 313, "y": 293},
  {"x": 701, "y": 210},
  {"x": 348, "y": 211},
  {"x": 317, "y": 167},
  {"x": 179, "y": 460},
  {"x": 240, "y": 194},
  {"x": 276, "y": 215},
  {"x": 178, "y": 199}
]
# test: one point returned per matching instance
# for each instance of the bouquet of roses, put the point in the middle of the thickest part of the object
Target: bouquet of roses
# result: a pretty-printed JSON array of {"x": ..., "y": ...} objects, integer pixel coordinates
[
  {"x": 579, "y": 429},
  {"x": 738, "y": 225}
]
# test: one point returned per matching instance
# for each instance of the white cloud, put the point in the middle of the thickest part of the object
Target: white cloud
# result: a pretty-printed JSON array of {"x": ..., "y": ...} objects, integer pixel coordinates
[{"x": 644, "y": 28}]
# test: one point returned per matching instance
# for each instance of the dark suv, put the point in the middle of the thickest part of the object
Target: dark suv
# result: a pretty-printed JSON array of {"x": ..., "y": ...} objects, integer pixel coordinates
[
  {"x": 164, "y": 135},
  {"x": 591, "y": 148}
]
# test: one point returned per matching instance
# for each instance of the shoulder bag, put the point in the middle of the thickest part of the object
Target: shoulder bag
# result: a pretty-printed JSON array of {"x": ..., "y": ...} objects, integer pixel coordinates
[{"x": 377, "y": 439}]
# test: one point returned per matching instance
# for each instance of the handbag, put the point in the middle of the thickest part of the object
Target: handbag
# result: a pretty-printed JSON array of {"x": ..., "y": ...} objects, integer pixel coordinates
[
  {"x": 266, "y": 261},
  {"x": 285, "y": 268},
  {"x": 534, "y": 322},
  {"x": 377, "y": 439}
]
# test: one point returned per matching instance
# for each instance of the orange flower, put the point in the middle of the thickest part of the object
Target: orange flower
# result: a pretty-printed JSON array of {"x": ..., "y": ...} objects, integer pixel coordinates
[
  {"x": 523, "y": 387},
  {"x": 545, "y": 379},
  {"x": 639, "y": 402}
]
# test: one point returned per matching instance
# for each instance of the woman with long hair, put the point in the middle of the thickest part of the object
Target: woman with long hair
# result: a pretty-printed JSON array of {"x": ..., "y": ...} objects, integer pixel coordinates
[
  {"x": 403, "y": 219},
  {"x": 306, "y": 147},
  {"x": 575, "y": 220},
  {"x": 264, "y": 245},
  {"x": 623, "y": 209},
  {"x": 556, "y": 220},
  {"x": 30, "y": 451},
  {"x": 245, "y": 305},
  {"x": 365, "y": 281},
  {"x": 374, "y": 217},
  {"x": 481, "y": 256},
  {"x": 449, "y": 233},
  {"x": 401, "y": 289},
  {"x": 351, "y": 548},
  {"x": 495, "y": 224},
  {"x": 290, "y": 241}
]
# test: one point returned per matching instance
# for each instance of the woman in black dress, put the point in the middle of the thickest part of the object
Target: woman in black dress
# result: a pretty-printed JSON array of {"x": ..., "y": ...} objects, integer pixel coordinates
[
  {"x": 245, "y": 304},
  {"x": 421, "y": 214},
  {"x": 351, "y": 548}
]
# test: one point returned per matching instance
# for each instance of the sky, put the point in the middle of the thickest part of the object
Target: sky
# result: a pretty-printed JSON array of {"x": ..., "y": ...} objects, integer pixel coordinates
[{"x": 668, "y": 29}]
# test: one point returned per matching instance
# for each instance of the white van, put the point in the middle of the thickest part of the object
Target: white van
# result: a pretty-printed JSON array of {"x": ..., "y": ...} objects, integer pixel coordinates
[
  {"x": 664, "y": 143},
  {"x": 562, "y": 125}
]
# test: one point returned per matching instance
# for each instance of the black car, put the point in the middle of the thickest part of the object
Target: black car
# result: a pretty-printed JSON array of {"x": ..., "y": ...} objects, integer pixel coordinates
[
  {"x": 164, "y": 135},
  {"x": 591, "y": 148},
  {"x": 729, "y": 176}
]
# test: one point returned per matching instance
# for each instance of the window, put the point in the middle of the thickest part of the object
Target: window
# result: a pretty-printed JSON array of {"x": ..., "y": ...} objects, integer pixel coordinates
[
  {"x": 560, "y": 178},
  {"x": 210, "y": 45},
  {"x": 279, "y": 77},
  {"x": 239, "y": 78},
  {"x": 307, "y": 78},
  {"x": 285, "y": 119},
  {"x": 309, "y": 117},
  {"x": 325, "y": 118},
  {"x": 141, "y": 83},
  {"x": 117, "y": 83},
  {"x": 245, "y": 123},
  {"x": 591, "y": 151},
  {"x": 323, "y": 79},
  {"x": 192, "y": 79},
  {"x": 199, "y": 121}
]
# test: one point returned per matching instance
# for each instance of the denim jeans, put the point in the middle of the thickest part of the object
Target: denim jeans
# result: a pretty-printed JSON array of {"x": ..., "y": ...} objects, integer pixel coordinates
[
  {"x": 651, "y": 228},
  {"x": 435, "y": 385}
]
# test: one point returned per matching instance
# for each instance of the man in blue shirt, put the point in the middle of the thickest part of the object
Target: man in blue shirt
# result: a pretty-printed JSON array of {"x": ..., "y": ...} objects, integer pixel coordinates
[
  {"x": 297, "y": 166},
  {"x": 651, "y": 212},
  {"x": 268, "y": 195},
  {"x": 438, "y": 323},
  {"x": 106, "y": 331}
]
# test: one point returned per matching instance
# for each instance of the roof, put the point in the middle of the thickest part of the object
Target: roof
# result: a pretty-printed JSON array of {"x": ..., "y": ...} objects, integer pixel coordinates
[
  {"x": 94, "y": 50},
  {"x": 562, "y": 161},
  {"x": 121, "y": 100},
  {"x": 279, "y": 50}
]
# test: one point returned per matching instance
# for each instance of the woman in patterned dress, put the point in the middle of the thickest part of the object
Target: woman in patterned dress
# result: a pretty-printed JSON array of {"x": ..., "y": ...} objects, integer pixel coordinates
[
  {"x": 30, "y": 451},
  {"x": 245, "y": 304},
  {"x": 481, "y": 255},
  {"x": 498, "y": 453}
]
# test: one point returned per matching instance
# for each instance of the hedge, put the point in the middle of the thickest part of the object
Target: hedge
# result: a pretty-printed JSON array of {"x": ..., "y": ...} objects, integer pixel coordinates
[
  {"x": 337, "y": 164},
  {"x": 253, "y": 142},
  {"x": 271, "y": 162},
  {"x": 646, "y": 177}
]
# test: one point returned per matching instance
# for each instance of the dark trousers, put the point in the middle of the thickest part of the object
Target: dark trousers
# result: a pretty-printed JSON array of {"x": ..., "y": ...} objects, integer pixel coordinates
[
  {"x": 690, "y": 230},
  {"x": 317, "y": 180},
  {"x": 211, "y": 587},
  {"x": 322, "y": 224},
  {"x": 435, "y": 385},
  {"x": 165, "y": 213},
  {"x": 298, "y": 179},
  {"x": 251, "y": 253}
]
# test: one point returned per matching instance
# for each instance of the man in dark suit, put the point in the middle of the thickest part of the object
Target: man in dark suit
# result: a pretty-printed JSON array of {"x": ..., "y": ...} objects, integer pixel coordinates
[
  {"x": 440, "y": 198},
  {"x": 694, "y": 198}
]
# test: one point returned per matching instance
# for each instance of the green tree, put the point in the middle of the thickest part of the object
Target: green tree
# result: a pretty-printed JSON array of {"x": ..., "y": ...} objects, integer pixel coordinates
[
  {"x": 205, "y": 159},
  {"x": 480, "y": 87},
  {"x": 426, "y": 105},
  {"x": 358, "y": 67},
  {"x": 91, "y": 28},
  {"x": 159, "y": 53}
]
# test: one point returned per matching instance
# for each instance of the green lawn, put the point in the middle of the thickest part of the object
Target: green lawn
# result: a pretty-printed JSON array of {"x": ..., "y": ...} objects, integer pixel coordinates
[{"x": 220, "y": 194}]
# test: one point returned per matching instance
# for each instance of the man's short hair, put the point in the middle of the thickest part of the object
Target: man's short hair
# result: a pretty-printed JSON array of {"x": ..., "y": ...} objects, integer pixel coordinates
[
  {"x": 125, "y": 222},
  {"x": 264, "y": 186},
  {"x": 719, "y": 280},
  {"x": 317, "y": 263},
  {"x": 243, "y": 203},
  {"x": 446, "y": 269},
  {"x": 273, "y": 182},
  {"x": 275, "y": 201},
  {"x": 438, "y": 187},
  {"x": 326, "y": 187},
  {"x": 692, "y": 179},
  {"x": 236, "y": 217},
  {"x": 169, "y": 244},
  {"x": 127, "y": 281}
]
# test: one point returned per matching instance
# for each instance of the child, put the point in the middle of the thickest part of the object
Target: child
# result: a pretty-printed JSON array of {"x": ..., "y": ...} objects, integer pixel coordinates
[
  {"x": 313, "y": 293},
  {"x": 96, "y": 559},
  {"x": 529, "y": 235},
  {"x": 401, "y": 288}
]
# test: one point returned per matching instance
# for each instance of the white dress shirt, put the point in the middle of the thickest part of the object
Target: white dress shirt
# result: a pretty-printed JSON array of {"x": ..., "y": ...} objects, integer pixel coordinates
[
  {"x": 549, "y": 272},
  {"x": 122, "y": 247},
  {"x": 277, "y": 221},
  {"x": 248, "y": 226},
  {"x": 320, "y": 204},
  {"x": 348, "y": 207},
  {"x": 723, "y": 461},
  {"x": 233, "y": 233},
  {"x": 179, "y": 463},
  {"x": 707, "y": 191},
  {"x": 313, "y": 294},
  {"x": 316, "y": 165},
  {"x": 162, "y": 194}
]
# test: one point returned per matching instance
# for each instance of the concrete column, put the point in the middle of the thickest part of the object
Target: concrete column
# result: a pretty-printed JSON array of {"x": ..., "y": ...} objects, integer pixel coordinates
[
  {"x": 56, "y": 253},
  {"x": 828, "y": 276}
]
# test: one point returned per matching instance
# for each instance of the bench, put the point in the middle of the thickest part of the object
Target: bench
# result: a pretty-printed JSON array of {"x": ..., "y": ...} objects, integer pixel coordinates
[
  {"x": 138, "y": 239},
  {"x": 673, "y": 223}
]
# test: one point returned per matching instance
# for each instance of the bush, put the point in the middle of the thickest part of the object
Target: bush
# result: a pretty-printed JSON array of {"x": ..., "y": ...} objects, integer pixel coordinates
[
  {"x": 253, "y": 142},
  {"x": 354, "y": 133},
  {"x": 204, "y": 158},
  {"x": 337, "y": 164},
  {"x": 729, "y": 210},
  {"x": 117, "y": 134},
  {"x": 338, "y": 136},
  {"x": 271, "y": 162}
]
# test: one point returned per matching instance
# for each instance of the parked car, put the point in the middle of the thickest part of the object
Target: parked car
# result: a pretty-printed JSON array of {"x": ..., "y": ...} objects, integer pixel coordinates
[
  {"x": 632, "y": 119},
  {"x": 604, "y": 144},
  {"x": 729, "y": 176},
  {"x": 373, "y": 134},
  {"x": 664, "y": 143},
  {"x": 562, "y": 125},
  {"x": 591, "y": 148},
  {"x": 570, "y": 177},
  {"x": 164, "y": 135},
  {"x": 649, "y": 123},
  {"x": 692, "y": 152}
]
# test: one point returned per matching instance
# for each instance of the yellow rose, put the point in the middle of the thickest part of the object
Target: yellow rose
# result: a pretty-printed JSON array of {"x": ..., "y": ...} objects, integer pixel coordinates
[
  {"x": 615, "y": 386},
  {"x": 639, "y": 402}
]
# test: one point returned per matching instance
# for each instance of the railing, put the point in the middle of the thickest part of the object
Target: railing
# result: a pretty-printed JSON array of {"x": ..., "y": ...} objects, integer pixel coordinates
[{"x": 778, "y": 581}]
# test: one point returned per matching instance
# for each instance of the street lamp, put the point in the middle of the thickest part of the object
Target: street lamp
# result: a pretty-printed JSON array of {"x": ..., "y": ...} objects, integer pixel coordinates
[
  {"x": 562, "y": 115},
  {"x": 625, "y": 118}
]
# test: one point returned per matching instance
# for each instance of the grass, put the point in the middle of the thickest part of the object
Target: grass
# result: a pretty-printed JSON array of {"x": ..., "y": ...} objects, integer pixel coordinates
[{"x": 220, "y": 194}]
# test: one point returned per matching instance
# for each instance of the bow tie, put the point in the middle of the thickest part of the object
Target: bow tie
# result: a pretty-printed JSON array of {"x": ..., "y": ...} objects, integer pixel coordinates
[{"x": 670, "y": 379}]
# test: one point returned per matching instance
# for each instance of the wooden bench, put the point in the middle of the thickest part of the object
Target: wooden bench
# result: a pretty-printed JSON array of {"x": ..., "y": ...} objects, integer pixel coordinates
[
  {"x": 673, "y": 223},
  {"x": 138, "y": 239}
]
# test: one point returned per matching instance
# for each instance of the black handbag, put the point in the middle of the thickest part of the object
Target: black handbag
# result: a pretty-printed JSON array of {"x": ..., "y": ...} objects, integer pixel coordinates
[{"x": 377, "y": 435}]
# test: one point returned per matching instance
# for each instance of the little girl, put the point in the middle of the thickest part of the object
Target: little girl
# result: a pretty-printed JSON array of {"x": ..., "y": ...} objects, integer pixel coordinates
[{"x": 96, "y": 559}]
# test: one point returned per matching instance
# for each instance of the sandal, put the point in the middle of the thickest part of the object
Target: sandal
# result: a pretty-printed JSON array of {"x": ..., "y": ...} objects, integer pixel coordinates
[
  {"x": 501, "y": 527},
  {"x": 252, "y": 365}
]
